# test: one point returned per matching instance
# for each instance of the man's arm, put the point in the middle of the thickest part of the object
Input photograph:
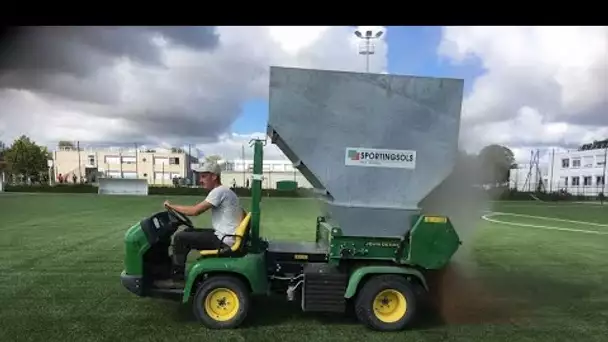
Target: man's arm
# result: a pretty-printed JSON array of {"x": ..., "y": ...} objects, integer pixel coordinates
[
  {"x": 214, "y": 198},
  {"x": 191, "y": 210}
]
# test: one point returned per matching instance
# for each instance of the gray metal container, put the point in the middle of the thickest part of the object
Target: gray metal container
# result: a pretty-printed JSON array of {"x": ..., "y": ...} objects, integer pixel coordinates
[{"x": 374, "y": 144}]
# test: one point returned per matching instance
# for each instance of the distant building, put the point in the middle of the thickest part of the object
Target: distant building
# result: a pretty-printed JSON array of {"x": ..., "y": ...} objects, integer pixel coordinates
[
  {"x": 158, "y": 167},
  {"x": 240, "y": 171},
  {"x": 580, "y": 172}
]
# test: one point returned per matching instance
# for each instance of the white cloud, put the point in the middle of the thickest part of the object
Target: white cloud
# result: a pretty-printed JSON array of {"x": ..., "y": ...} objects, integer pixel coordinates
[
  {"x": 154, "y": 86},
  {"x": 542, "y": 86},
  {"x": 230, "y": 146}
]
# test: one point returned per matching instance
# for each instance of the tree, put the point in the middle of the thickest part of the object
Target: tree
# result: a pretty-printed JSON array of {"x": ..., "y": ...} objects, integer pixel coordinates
[
  {"x": 2, "y": 152},
  {"x": 596, "y": 145},
  {"x": 25, "y": 158},
  {"x": 495, "y": 162},
  {"x": 66, "y": 144}
]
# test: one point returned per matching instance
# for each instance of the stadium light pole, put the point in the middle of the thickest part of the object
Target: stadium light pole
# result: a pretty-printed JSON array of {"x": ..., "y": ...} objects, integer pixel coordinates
[{"x": 367, "y": 48}]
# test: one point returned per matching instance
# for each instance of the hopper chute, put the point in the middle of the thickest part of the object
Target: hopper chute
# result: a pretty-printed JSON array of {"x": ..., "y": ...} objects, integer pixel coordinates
[{"x": 374, "y": 144}]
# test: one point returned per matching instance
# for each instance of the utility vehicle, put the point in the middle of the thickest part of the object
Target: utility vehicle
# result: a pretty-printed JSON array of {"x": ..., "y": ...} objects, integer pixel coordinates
[{"x": 372, "y": 146}]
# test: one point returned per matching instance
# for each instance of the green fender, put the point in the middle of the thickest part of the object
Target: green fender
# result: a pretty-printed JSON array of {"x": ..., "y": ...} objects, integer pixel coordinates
[
  {"x": 360, "y": 273},
  {"x": 250, "y": 268}
]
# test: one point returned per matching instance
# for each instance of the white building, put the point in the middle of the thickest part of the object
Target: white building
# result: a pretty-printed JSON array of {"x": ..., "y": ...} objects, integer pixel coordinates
[
  {"x": 240, "y": 165},
  {"x": 158, "y": 166},
  {"x": 240, "y": 171},
  {"x": 577, "y": 172}
]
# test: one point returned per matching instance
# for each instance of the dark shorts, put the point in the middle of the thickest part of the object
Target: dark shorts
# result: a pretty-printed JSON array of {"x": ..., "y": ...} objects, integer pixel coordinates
[{"x": 200, "y": 239}]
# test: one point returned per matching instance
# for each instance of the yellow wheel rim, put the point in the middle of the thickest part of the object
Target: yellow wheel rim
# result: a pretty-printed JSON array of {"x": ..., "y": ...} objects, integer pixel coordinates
[
  {"x": 390, "y": 306},
  {"x": 222, "y": 304}
]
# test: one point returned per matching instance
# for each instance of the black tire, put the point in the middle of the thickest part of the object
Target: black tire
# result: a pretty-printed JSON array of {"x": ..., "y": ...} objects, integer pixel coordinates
[
  {"x": 398, "y": 289},
  {"x": 227, "y": 291}
]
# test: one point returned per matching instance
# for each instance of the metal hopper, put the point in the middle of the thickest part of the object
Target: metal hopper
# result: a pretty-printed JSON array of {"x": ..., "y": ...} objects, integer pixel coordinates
[{"x": 374, "y": 144}]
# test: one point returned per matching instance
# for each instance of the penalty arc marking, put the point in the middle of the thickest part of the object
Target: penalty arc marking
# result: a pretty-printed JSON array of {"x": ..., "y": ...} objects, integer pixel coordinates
[{"x": 486, "y": 217}]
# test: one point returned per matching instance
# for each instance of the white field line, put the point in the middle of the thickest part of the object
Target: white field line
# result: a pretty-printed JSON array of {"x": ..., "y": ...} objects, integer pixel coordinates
[
  {"x": 486, "y": 217},
  {"x": 571, "y": 204},
  {"x": 549, "y": 218}
]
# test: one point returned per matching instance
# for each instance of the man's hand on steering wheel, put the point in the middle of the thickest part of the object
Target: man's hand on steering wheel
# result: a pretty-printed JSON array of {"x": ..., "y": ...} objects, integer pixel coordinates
[{"x": 179, "y": 217}]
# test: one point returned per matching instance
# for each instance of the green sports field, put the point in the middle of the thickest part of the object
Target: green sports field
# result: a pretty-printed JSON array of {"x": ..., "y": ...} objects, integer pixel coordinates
[{"x": 539, "y": 275}]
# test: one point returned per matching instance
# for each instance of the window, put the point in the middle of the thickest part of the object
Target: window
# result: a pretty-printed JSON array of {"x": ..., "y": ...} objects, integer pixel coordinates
[
  {"x": 129, "y": 174},
  {"x": 113, "y": 174},
  {"x": 565, "y": 163},
  {"x": 599, "y": 180},
  {"x": 600, "y": 160},
  {"x": 576, "y": 181},
  {"x": 576, "y": 162},
  {"x": 587, "y": 180},
  {"x": 163, "y": 176},
  {"x": 129, "y": 160},
  {"x": 588, "y": 161},
  {"x": 174, "y": 161},
  {"x": 112, "y": 160},
  {"x": 91, "y": 159},
  {"x": 161, "y": 160},
  {"x": 166, "y": 176},
  {"x": 565, "y": 181}
]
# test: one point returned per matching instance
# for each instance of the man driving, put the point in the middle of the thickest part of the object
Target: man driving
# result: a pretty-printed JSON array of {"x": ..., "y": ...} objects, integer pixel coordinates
[{"x": 226, "y": 215}]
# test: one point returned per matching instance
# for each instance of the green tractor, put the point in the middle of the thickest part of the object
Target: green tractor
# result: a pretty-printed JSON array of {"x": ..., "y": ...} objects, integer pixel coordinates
[{"x": 373, "y": 146}]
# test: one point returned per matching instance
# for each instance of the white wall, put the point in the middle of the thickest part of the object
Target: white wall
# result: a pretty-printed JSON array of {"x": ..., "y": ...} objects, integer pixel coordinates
[
  {"x": 239, "y": 170},
  {"x": 577, "y": 172},
  {"x": 268, "y": 165}
]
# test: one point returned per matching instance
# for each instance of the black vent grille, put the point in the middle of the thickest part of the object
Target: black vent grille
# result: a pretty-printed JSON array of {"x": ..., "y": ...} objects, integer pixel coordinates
[{"x": 324, "y": 288}]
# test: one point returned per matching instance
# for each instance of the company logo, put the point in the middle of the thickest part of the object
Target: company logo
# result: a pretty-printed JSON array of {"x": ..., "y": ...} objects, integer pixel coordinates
[{"x": 380, "y": 158}]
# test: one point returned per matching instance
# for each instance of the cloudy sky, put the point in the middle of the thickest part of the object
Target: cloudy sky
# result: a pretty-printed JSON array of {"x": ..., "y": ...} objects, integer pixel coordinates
[{"x": 526, "y": 87}]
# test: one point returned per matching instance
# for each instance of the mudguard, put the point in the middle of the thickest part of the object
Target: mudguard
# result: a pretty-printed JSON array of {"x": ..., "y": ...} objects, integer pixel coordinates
[
  {"x": 250, "y": 268},
  {"x": 360, "y": 273}
]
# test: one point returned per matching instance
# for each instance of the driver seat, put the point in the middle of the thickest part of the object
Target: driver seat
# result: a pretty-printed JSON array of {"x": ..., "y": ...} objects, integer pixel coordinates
[{"x": 240, "y": 234}]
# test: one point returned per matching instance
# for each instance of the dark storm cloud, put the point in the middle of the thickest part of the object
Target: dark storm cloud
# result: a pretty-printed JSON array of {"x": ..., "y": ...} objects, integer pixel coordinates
[
  {"x": 201, "y": 119},
  {"x": 200, "y": 38},
  {"x": 80, "y": 50},
  {"x": 187, "y": 87},
  {"x": 46, "y": 59}
]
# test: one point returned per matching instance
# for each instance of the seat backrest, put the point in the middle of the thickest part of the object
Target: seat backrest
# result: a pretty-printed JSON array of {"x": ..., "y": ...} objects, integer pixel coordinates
[{"x": 241, "y": 232}]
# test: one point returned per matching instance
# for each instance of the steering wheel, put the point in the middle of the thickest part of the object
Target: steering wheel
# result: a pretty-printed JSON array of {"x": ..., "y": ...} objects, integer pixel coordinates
[{"x": 179, "y": 217}]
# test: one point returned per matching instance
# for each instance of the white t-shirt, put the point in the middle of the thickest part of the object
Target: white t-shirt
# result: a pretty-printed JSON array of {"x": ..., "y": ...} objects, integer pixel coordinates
[{"x": 226, "y": 212}]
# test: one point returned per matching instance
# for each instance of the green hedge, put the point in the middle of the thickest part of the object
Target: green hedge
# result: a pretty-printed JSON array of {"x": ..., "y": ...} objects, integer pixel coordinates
[
  {"x": 504, "y": 193},
  {"x": 153, "y": 190},
  {"x": 59, "y": 188}
]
